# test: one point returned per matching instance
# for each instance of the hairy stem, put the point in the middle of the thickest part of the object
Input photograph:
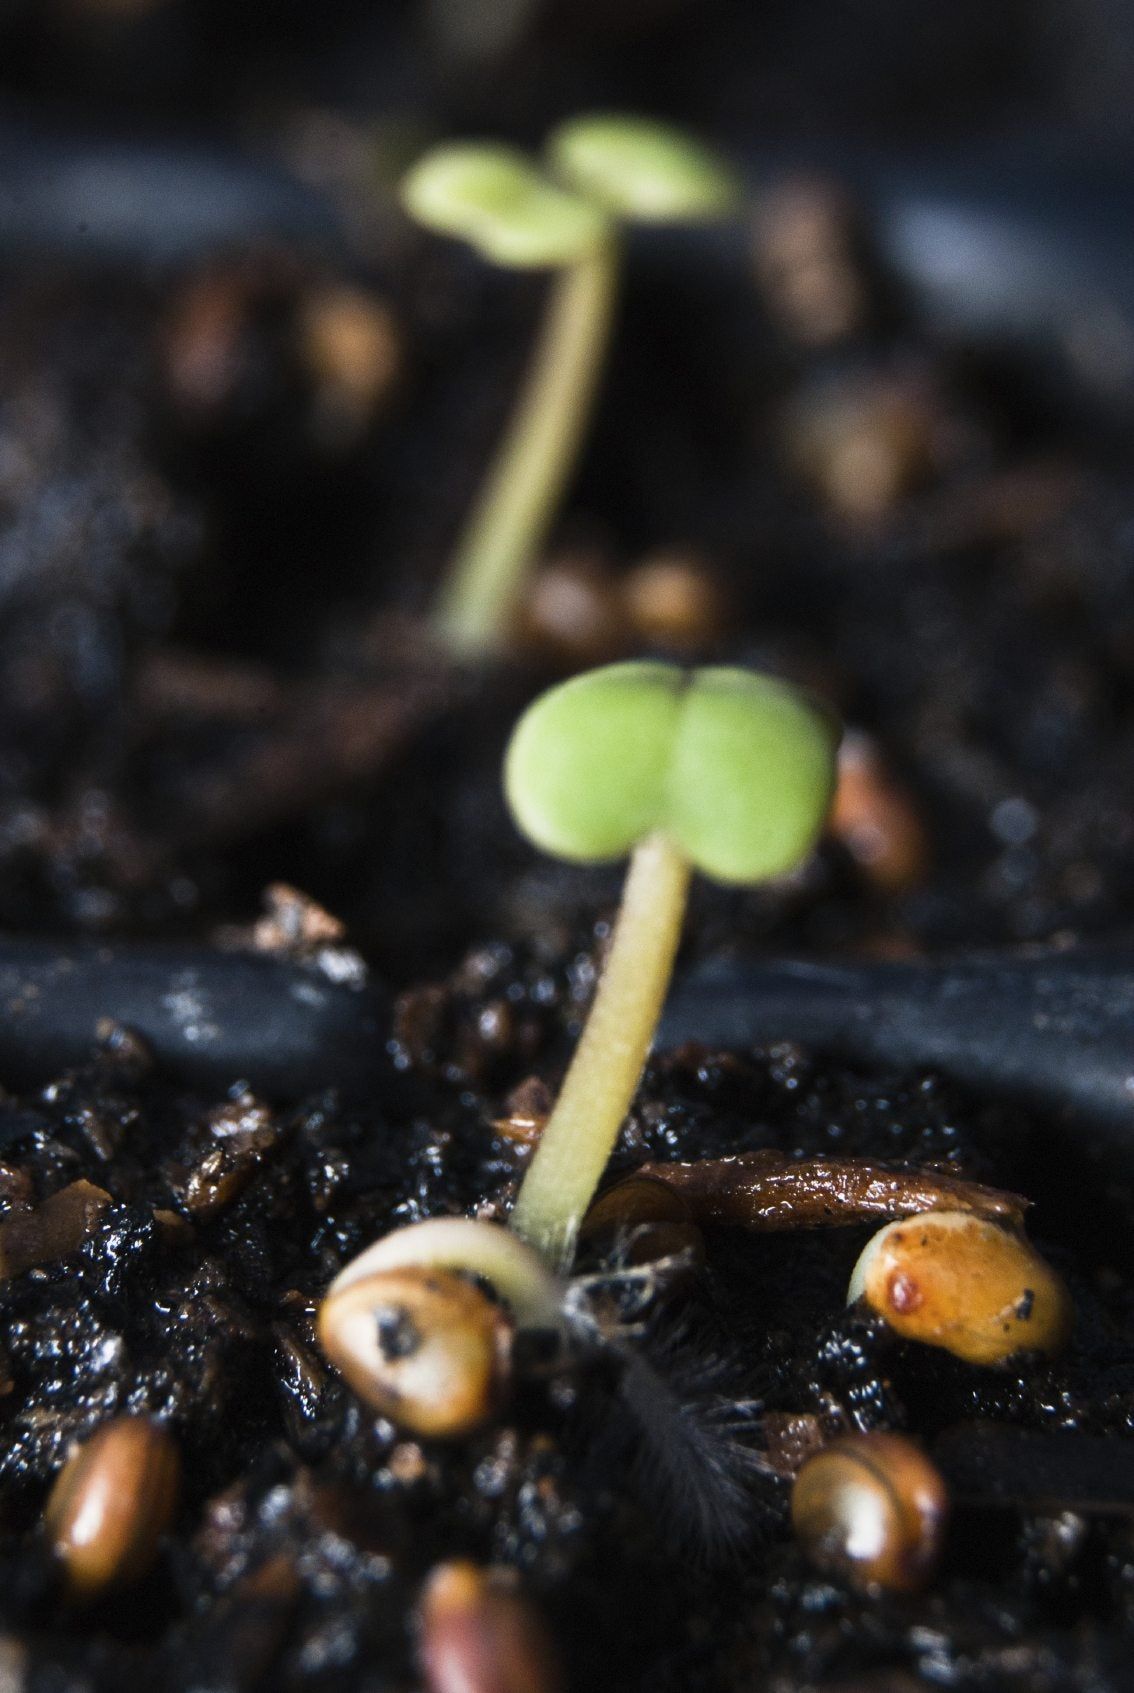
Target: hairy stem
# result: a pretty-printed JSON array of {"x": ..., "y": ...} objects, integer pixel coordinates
[
  {"x": 608, "y": 1062},
  {"x": 508, "y": 525}
]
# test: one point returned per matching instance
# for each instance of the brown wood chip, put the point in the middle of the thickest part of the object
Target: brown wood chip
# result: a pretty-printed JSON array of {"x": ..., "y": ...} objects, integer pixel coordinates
[
  {"x": 769, "y": 1190},
  {"x": 54, "y": 1229}
]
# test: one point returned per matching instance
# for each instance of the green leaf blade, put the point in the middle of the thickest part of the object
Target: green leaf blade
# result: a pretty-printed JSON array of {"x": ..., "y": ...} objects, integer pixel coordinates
[
  {"x": 502, "y": 204},
  {"x": 734, "y": 768},
  {"x": 751, "y": 776},
  {"x": 641, "y": 170},
  {"x": 587, "y": 766}
]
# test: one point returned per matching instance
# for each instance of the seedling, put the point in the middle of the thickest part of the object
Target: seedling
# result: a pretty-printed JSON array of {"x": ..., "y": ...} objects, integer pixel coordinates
[
  {"x": 516, "y": 214},
  {"x": 718, "y": 770}
]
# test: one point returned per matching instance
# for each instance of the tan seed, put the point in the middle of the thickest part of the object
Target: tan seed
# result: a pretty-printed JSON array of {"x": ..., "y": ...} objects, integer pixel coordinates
[
  {"x": 573, "y": 611},
  {"x": 352, "y": 347},
  {"x": 674, "y": 599},
  {"x": 421, "y": 1346},
  {"x": 864, "y": 444},
  {"x": 973, "y": 1287},
  {"x": 810, "y": 260}
]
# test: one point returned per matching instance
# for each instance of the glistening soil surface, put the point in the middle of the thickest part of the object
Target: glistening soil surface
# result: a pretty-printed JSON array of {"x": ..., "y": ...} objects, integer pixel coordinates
[{"x": 306, "y": 1527}]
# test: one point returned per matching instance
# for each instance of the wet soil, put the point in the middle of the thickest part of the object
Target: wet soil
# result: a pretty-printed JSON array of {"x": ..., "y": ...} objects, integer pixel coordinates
[
  {"x": 306, "y": 1527},
  {"x": 207, "y": 688}
]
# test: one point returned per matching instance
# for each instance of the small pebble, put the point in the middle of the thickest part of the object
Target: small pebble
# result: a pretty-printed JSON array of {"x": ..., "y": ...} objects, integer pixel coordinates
[
  {"x": 573, "y": 611},
  {"x": 352, "y": 348}
]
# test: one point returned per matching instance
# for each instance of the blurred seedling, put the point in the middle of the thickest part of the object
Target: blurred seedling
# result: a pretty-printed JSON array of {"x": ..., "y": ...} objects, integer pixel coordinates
[{"x": 563, "y": 215}]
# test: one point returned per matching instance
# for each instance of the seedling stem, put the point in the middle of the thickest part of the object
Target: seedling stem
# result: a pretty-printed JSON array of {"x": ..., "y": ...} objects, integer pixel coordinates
[
  {"x": 580, "y": 1134},
  {"x": 509, "y": 523}
]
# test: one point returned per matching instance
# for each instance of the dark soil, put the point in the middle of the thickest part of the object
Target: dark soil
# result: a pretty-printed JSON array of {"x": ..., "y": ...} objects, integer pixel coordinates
[
  {"x": 204, "y": 690},
  {"x": 307, "y": 1527}
]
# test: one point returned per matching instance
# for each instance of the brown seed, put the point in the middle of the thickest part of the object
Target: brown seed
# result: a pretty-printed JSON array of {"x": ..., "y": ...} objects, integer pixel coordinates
[
  {"x": 973, "y": 1287},
  {"x": 421, "y": 1346},
  {"x": 873, "y": 1507},
  {"x": 479, "y": 1635},
  {"x": 573, "y": 611},
  {"x": 111, "y": 1503},
  {"x": 810, "y": 252},
  {"x": 352, "y": 348},
  {"x": 864, "y": 444},
  {"x": 875, "y": 818},
  {"x": 673, "y": 599}
]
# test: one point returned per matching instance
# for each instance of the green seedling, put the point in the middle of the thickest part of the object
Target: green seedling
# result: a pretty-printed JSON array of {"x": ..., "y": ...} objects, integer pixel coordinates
[
  {"x": 718, "y": 770},
  {"x": 601, "y": 172}
]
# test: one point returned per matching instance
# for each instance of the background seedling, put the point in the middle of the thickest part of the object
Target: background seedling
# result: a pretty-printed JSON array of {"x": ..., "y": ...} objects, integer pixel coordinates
[
  {"x": 515, "y": 215},
  {"x": 719, "y": 770},
  {"x": 642, "y": 171}
]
